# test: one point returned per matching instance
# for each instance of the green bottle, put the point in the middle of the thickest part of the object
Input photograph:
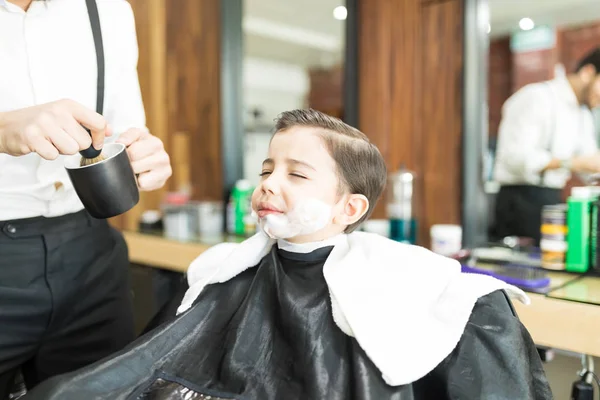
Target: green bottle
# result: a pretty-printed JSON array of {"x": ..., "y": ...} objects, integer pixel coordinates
[
  {"x": 239, "y": 209},
  {"x": 579, "y": 223}
]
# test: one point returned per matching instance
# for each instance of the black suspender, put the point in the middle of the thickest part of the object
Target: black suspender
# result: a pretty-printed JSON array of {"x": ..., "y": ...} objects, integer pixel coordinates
[
  {"x": 92, "y": 8},
  {"x": 97, "y": 33}
]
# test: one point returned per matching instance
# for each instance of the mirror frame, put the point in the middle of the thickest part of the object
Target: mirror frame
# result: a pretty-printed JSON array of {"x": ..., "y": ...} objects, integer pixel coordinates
[{"x": 475, "y": 208}]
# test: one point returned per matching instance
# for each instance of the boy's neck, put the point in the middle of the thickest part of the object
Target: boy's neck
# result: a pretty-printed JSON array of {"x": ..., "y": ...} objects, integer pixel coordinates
[
  {"x": 307, "y": 247},
  {"x": 323, "y": 234}
]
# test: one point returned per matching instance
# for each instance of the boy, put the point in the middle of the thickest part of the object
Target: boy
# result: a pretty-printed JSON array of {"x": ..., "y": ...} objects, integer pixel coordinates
[{"x": 309, "y": 309}]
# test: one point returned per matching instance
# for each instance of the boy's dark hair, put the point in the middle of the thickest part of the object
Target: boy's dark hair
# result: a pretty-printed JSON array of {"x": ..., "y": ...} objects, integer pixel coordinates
[
  {"x": 360, "y": 166},
  {"x": 593, "y": 58}
]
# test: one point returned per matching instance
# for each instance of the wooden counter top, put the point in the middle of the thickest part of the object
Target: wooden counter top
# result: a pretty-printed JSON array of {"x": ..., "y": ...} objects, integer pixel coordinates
[
  {"x": 157, "y": 251},
  {"x": 562, "y": 324},
  {"x": 560, "y": 319}
]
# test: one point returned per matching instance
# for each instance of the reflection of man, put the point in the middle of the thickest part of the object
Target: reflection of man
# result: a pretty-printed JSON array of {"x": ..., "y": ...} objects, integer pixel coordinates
[{"x": 546, "y": 133}]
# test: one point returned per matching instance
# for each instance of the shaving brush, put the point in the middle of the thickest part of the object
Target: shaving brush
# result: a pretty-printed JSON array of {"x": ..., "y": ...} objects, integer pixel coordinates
[{"x": 90, "y": 155}]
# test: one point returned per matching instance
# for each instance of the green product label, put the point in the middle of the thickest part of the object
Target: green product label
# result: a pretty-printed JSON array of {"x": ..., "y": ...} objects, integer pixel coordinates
[
  {"x": 242, "y": 209},
  {"x": 578, "y": 237}
]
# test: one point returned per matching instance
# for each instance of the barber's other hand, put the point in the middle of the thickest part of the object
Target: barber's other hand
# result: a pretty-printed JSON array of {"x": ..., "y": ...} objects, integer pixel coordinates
[
  {"x": 51, "y": 129},
  {"x": 586, "y": 164},
  {"x": 148, "y": 158}
]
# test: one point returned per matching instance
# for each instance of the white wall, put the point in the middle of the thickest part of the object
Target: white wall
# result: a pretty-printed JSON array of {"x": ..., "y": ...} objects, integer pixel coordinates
[
  {"x": 256, "y": 146},
  {"x": 273, "y": 86}
]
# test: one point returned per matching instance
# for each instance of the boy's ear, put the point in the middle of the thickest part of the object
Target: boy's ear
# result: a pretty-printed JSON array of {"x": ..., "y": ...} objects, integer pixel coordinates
[{"x": 354, "y": 207}]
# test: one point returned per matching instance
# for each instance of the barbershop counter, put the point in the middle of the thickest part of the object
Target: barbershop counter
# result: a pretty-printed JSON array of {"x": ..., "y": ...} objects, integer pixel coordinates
[{"x": 563, "y": 318}]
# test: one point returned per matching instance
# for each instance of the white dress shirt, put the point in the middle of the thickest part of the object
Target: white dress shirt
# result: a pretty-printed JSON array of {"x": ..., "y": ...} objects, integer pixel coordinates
[
  {"x": 47, "y": 54},
  {"x": 542, "y": 121}
]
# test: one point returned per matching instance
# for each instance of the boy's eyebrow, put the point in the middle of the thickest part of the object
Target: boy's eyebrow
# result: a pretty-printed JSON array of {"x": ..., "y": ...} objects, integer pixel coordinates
[{"x": 290, "y": 161}]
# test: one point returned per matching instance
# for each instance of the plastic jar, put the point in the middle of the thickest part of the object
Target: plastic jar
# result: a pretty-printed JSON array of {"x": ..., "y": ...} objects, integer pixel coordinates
[
  {"x": 446, "y": 239},
  {"x": 553, "y": 243}
]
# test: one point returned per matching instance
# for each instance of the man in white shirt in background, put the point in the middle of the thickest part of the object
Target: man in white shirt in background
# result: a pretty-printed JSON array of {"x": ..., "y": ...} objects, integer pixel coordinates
[
  {"x": 546, "y": 134},
  {"x": 65, "y": 298}
]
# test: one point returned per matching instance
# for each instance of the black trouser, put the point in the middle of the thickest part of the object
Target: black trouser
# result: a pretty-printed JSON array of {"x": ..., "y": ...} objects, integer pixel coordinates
[
  {"x": 65, "y": 298},
  {"x": 519, "y": 210}
]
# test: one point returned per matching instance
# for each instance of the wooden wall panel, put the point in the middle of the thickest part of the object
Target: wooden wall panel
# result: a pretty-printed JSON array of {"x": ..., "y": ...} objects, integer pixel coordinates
[
  {"x": 151, "y": 36},
  {"x": 532, "y": 66},
  {"x": 374, "y": 72},
  {"x": 193, "y": 70},
  {"x": 178, "y": 68},
  {"x": 405, "y": 142},
  {"x": 410, "y": 103},
  {"x": 151, "y": 30},
  {"x": 442, "y": 112}
]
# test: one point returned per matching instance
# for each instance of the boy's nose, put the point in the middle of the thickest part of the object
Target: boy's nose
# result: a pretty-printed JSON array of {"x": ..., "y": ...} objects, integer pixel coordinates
[{"x": 270, "y": 185}]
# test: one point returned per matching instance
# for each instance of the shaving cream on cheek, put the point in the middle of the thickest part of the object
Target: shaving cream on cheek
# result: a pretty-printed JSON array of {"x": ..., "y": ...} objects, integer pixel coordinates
[{"x": 309, "y": 216}]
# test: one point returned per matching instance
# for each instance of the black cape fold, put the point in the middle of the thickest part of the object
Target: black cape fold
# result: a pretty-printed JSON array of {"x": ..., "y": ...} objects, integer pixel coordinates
[{"x": 269, "y": 334}]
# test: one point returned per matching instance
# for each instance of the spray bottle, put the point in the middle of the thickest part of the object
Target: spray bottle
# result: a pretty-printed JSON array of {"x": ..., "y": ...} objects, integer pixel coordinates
[{"x": 401, "y": 206}]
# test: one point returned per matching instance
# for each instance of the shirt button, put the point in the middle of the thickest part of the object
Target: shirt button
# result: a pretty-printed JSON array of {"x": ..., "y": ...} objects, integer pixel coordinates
[{"x": 10, "y": 228}]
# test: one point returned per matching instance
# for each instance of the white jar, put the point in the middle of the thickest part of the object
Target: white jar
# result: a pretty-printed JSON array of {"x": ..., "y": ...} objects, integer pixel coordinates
[
  {"x": 446, "y": 239},
  {"x": 210, "y": 219}
]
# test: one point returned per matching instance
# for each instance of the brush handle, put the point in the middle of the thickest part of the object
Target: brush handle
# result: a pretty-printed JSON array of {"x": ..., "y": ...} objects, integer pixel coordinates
[{"x": 90, "y": 152}]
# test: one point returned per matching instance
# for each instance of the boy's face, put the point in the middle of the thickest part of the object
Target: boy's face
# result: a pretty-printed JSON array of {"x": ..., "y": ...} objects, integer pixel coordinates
[{"x": 298, "y": 168}]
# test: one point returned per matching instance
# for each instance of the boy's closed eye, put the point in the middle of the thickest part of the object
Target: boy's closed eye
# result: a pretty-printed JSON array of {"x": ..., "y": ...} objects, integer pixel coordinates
[{"x": 293, "y": 174}]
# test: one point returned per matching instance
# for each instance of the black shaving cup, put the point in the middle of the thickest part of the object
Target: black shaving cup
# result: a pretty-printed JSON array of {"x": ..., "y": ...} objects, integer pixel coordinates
[{"x": 107, "y": 188}]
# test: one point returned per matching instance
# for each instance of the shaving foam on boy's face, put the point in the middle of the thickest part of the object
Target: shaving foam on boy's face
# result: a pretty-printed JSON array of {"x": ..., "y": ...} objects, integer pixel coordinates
[{"x": 309, "y": 216}]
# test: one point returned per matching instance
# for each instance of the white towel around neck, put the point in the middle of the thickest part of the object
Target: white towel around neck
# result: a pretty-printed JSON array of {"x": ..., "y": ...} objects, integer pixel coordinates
[{"x": 406, "y": 306}]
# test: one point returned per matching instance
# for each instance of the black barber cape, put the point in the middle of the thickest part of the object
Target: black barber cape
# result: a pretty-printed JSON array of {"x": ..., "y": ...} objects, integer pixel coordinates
[{"x": 269, "y": 334}]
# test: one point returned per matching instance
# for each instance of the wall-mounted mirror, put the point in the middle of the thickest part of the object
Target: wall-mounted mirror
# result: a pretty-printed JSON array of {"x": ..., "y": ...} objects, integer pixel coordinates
[
  {"x": 534, "y": 41},
  {"x": 530, "y": 55},
  {"x": 293, "y": 58}
]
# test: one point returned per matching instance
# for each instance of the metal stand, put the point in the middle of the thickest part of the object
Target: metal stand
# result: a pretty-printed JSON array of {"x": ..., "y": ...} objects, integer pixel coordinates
[{"x": 583, "y": 389}]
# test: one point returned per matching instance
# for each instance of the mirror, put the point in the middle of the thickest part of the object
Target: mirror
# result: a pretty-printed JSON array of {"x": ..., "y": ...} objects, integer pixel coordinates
[
  {"x": 534, "y": 41},
  {"x": 293, "y": 58},
  {"x": 522, "y": 47}
]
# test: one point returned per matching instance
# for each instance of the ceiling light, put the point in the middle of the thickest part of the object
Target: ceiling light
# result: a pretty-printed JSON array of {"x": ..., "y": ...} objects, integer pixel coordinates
[
  {"x": 526, "y": 24},
  {"x": 340, "y": 13},
  {"x": 488, "y": 29}
]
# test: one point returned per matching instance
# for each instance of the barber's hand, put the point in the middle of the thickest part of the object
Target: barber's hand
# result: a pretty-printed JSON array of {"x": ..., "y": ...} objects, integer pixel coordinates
[
  {"x": 51, "y": 129},
  {"x": 148, "y": 158},
  {"x": 586, "y": 164}
]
